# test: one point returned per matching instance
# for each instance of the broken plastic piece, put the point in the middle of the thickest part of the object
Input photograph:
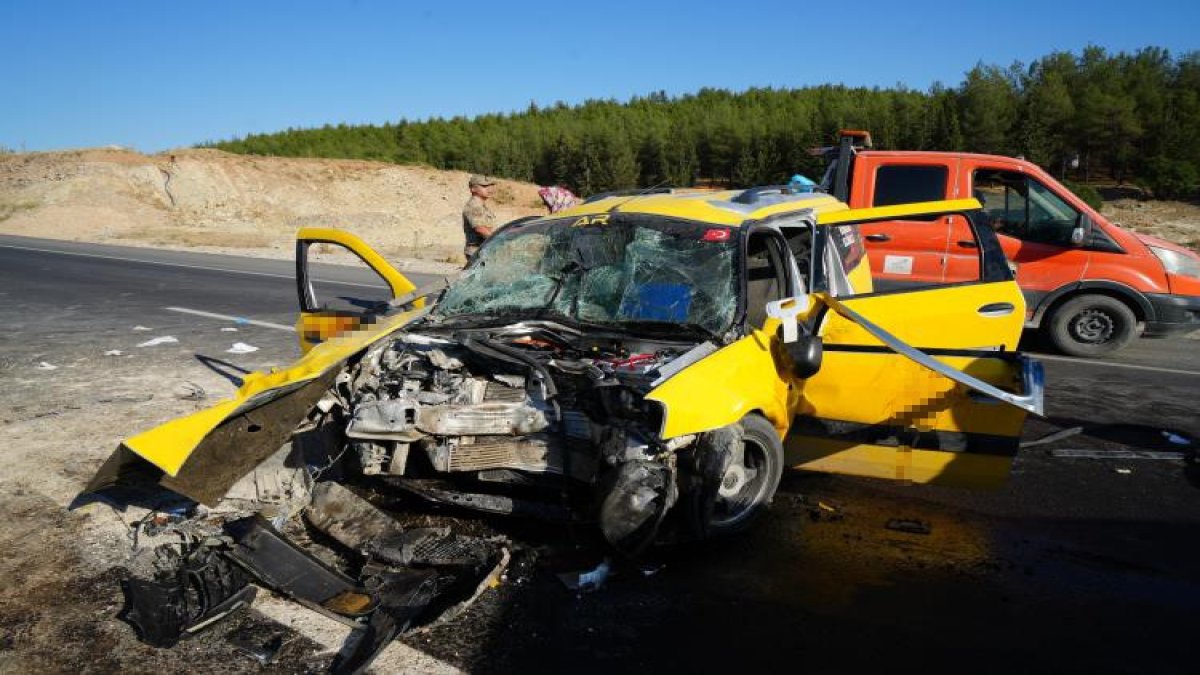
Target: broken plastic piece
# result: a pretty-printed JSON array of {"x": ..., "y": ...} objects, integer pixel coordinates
[
  {"x": 264, "y": 652},
  {"x": 204, "y": 588},
  {"x": 164, "y": 340},
  {"x": 190, "y": 391},
  {"x": 241, "y": 348},
  {"x": 1176, "y": 439},
  {"x": 635, "y": 505},
  {"x": 46, "y": 366},
  {"x": 909, "y": 525},
  {"x": 358, "y": 525},
  {"x": 826, "y": 512},
  {"x": 279, "y": 564},
  {"x": 437, "y": 491},
  {"x": 403, "y": 597},
  {"x": 588, "y": 581}
]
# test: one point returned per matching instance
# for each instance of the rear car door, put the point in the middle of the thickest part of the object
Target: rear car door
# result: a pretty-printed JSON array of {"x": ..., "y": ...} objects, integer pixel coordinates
[
  {"x": 334, "y": 300},
  {"x": 917, "y": 385},
  {"x": 910, "y": 252}
]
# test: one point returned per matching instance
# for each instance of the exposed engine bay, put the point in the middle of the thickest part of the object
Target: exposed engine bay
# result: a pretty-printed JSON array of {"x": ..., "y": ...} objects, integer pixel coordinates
[{"x": 530, "y": 418}]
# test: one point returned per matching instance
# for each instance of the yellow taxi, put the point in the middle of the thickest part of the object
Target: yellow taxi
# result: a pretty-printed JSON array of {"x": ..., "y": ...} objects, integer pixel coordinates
[{"x": 640, "y": 362}]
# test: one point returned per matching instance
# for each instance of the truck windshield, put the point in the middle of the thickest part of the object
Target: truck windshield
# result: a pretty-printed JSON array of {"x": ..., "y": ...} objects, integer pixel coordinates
[{"x": 623, "y": 270}]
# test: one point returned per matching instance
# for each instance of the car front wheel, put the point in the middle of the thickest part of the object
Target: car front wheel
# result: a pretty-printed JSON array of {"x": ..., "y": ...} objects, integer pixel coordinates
[{"x": 738, "y": 470}]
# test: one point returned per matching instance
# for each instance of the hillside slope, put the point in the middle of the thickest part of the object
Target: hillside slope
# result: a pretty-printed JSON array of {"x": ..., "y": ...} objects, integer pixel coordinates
[
  {"x": 209, "y": 199},
  {"x": 212, "y": 200}
]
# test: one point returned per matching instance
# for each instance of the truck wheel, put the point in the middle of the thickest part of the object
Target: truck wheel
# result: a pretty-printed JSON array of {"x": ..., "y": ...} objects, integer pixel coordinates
[
  {"x": 740, "y": 470},
  {"x": 1092, "y": 325}
]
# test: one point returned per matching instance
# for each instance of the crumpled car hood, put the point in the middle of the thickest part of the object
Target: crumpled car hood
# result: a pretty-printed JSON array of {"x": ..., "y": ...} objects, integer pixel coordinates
[{"x": 187, "y": 449}]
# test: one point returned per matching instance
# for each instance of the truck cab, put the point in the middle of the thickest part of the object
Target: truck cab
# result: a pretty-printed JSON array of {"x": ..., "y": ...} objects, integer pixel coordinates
[{"x": 1090, "y": 286}]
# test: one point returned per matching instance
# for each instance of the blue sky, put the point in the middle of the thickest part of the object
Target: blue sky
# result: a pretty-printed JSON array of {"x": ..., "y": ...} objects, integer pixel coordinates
[{"x": 171, "y": 73}]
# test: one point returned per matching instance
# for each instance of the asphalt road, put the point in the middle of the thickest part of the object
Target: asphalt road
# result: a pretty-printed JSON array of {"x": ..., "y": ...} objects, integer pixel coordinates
[{"x": 1078, "y": 565}]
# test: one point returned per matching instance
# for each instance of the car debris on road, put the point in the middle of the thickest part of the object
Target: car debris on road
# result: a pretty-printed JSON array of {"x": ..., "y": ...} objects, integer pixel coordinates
[
  {"x": 164, "y": 340},
  {"x": 241, "y": 348}
]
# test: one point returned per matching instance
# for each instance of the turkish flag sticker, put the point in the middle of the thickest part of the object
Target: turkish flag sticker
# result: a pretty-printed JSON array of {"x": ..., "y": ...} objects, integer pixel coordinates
[{"x": 717, "y": 234}]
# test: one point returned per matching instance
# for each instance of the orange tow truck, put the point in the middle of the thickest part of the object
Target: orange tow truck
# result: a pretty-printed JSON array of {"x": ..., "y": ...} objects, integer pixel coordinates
[{"x": 1090, "y": 286}]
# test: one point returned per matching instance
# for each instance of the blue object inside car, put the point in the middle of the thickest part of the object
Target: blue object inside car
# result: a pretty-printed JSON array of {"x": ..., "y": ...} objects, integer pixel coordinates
[{"x": 657, "y": 302}]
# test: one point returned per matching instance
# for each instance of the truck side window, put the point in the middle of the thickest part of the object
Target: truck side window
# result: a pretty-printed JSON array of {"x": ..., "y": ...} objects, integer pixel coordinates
[
  {"x": 1022, "y": 207},
  {"x": 909, "y": 183}
]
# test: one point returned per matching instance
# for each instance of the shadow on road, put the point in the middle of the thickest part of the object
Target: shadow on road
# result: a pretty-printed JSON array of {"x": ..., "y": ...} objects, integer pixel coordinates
[{"x": 225, "y": 369}]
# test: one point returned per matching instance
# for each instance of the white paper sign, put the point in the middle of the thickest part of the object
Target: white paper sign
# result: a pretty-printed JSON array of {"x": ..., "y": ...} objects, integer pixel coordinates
[{"x": 897, "y": 264}]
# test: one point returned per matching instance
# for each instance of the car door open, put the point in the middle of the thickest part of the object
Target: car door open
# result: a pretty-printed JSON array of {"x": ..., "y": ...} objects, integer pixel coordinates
[
  {"x": 336, "y": 300},
  {"x": 919, "y": 385}
]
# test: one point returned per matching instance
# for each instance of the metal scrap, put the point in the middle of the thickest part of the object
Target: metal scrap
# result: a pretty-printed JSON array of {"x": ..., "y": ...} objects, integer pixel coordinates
[
  {"x": 1087, "y": 453},
  {"x": 1052, "y": 437}
]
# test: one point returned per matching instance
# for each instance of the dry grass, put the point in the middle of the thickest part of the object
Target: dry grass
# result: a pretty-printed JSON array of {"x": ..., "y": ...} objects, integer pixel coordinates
[
  {"x": 194, "y": 237},
  {"x": 503, "y": 194},
  {"x": 8, "y": 209}
]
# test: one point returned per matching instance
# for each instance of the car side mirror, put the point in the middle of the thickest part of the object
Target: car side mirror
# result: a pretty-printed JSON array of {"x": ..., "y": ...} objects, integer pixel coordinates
[
  {"x": 805, "y": 355},
  {"x": 1080, "y": 233}
]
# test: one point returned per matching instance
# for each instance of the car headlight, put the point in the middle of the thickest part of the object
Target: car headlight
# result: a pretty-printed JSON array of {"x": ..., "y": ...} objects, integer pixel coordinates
[{"x": 1178, "y": 263}]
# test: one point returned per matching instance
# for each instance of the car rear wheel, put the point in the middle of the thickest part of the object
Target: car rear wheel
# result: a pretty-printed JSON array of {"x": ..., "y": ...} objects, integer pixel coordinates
[
  {"x": 740, "y": 469},
  {"x": 1092, "y": 325}
]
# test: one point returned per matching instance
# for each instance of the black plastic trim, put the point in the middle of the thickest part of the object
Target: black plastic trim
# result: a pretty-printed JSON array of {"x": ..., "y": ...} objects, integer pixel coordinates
[
  {"x": 895, "y": 434},
  {"x": 1173, "y": 313},
  {"x": 932, "y": 351},
  {"x": 1145, "y": 310},
  {"x": 1100, "y": 240}
]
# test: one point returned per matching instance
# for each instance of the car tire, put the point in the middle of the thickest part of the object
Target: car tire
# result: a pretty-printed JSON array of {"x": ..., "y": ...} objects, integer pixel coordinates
[
  {"x": 730, "y": 496},
  {"x": 1092, "y": 325}
]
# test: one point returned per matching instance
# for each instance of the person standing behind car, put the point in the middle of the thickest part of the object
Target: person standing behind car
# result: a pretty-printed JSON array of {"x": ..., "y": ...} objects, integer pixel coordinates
[{"x": 478, "y": 220}]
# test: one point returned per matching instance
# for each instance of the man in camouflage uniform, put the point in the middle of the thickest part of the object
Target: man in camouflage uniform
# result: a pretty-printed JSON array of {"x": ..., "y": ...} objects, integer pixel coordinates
[{"x": 478, "y": 220}]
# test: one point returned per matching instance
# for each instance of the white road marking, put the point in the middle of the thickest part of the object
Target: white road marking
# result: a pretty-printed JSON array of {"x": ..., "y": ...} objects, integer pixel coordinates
[
  {"x": 1110, "y": 364},
  {"x": 266, "y": 324},
  {"x": 235, "y": 319},
  {"x": 192, "y": 267}
]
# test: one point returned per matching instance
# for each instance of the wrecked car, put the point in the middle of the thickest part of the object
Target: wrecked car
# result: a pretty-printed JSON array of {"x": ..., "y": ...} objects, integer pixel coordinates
[
  {"x": 634, "y": 356},
  {"x": 649, "y": 364}
]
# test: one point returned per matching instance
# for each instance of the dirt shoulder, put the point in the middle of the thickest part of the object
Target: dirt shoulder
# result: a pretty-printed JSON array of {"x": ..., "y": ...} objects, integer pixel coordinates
[
  {"x": 209, "y": 200},
  {"x": 1174, "y": 221}
]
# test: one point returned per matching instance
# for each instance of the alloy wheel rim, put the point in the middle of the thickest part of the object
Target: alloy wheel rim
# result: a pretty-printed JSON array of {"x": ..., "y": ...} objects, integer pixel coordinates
[{"x": 742, "y": 485}]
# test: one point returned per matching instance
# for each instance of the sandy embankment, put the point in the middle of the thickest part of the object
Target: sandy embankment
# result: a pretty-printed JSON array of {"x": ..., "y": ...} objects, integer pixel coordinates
[{"x": 215, "y": 201}]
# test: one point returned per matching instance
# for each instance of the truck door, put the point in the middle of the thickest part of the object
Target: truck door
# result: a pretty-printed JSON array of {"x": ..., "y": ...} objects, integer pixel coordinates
[
  {"x": 903, "y": 388},
  {"x": 1034, "y": 226},
  {"x": 336, "y": 299},
  {"x": 910, "y": 252}
]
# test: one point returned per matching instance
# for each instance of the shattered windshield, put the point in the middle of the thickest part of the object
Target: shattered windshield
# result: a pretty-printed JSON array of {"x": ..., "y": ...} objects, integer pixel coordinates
[{"x": 626, "y": 270}]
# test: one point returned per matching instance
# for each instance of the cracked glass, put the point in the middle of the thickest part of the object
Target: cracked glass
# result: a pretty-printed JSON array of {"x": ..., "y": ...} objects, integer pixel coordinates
[{"x": 625, "y": 270}]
